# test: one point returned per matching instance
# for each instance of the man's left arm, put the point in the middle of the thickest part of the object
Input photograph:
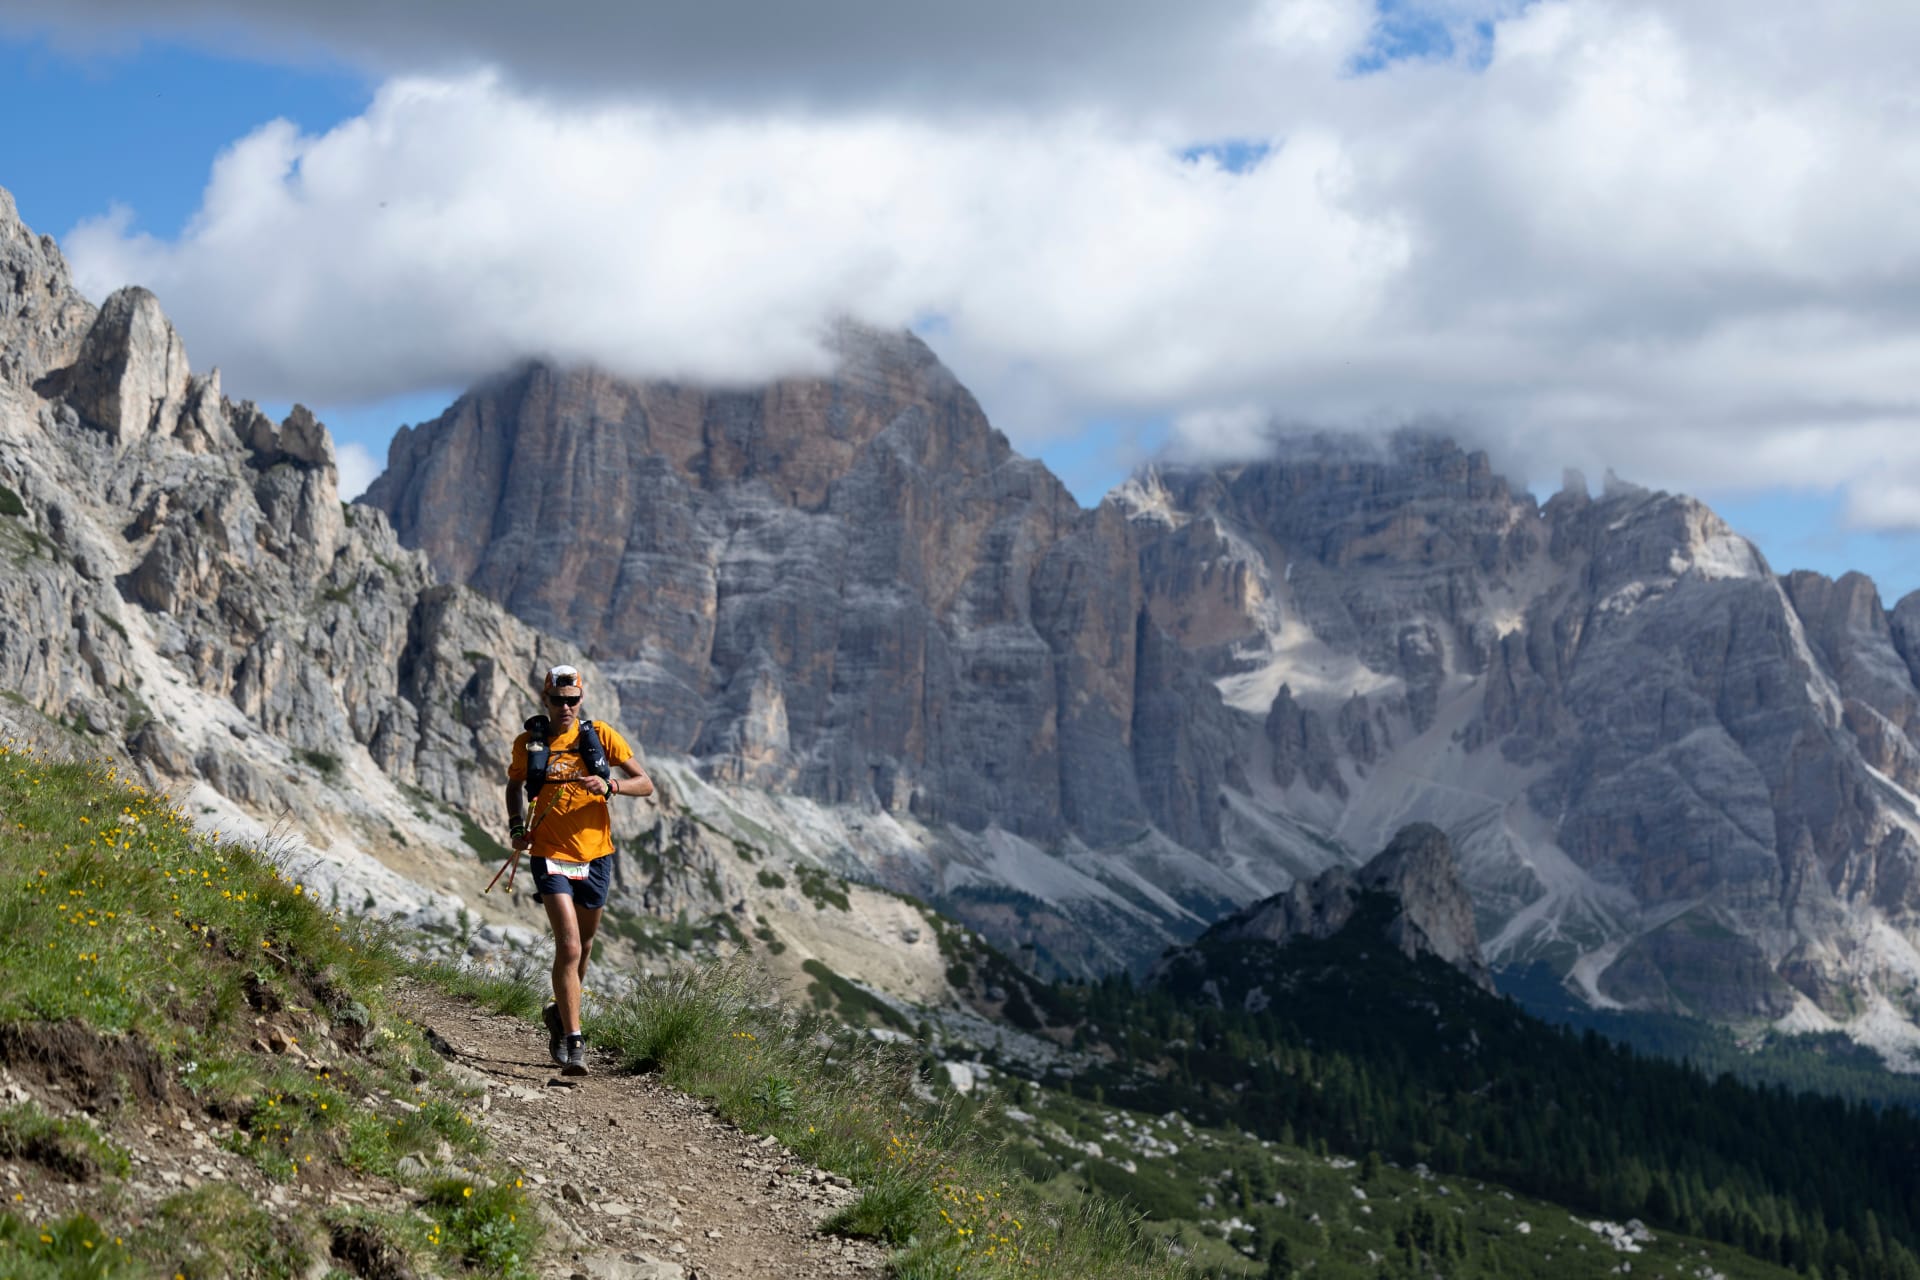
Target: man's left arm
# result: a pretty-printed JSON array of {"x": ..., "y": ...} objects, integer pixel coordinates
[
  {"x": 624, "y": 758},
  {"x": 636, "y": 783}
]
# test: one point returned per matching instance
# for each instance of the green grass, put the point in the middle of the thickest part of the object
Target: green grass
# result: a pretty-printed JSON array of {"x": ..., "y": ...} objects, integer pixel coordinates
[
  {"x": 830, "y": 991},
  {"x": 224, "y": 1233},
  {"x": 491, "y": 1229},
  {"x": 152, "y": 962},
  {"x": 72, "y": 1248},
  {"x": 69, "y": 1148},
  {"x": 821, "y": 889},
  {"x": 517, "y": 990},
  {"x": 326, "y": 762},
  {"x": 10, "y": 504},
  {"x": 930, "y": 1184},
  {"x": 19, "y": 543},
  {"x": 114, "y": 911}
]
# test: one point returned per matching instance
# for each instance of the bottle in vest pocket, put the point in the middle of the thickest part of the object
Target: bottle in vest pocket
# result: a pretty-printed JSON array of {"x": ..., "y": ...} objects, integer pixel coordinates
[{"x": 593, "y": 752}]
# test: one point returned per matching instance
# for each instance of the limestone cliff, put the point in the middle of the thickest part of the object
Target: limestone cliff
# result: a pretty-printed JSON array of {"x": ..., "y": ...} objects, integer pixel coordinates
[
  {"x": 846, "y": 587},
  {"x": 1687, "y": 781},
  {"x": 184, "y": 590}
]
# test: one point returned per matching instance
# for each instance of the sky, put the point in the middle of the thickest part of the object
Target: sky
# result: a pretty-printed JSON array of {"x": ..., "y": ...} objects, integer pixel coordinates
[{"x": 1671, "y": 240}]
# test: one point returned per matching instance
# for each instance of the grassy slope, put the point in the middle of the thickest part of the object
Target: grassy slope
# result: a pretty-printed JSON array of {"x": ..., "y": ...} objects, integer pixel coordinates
[
  {"x": 145, "y": 969},
  {"x": 139, "y": 945},
  {"x": 932, "y": 1182}
]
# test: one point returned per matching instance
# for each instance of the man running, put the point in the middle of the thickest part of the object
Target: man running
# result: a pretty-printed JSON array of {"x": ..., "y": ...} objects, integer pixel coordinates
[{"x": 568, "y": 773}]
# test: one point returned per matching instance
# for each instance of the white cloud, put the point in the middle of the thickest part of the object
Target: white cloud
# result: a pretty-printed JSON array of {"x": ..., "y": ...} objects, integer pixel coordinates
[
  {"x": 1672, "y": 239},
  {"x": 459, "y": 225},
  {"x": 358, "y": 467}
]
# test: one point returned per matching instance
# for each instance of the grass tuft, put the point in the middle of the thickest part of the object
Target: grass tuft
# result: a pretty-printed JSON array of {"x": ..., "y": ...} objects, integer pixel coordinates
[
  {"x": 223, "y": 1233},
  {"x": 517, "y": 991},
  {"x": 491, "y": 1229},
  {"x": 68, "y": 1148},
  {"x": 74, "y": 1247},
  {"x": 892, "y": 1210}
]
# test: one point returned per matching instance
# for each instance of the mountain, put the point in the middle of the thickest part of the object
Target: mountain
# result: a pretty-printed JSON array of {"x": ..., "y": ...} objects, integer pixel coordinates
[
  {"x": 187, "y": 597},
  {"x": 851, "y": 590},
  {"x": 1685, "y": 779},
  {"x": 849, "y": 587},
  {"x": 1339, "y": 1037},
  {"x": 1426, "y": 913}
]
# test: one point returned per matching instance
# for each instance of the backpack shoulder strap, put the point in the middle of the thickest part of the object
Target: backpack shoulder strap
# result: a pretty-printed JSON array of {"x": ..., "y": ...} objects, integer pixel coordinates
[
  {"x": 537, "y": 755},
  {"x": 593, "y": 752}
]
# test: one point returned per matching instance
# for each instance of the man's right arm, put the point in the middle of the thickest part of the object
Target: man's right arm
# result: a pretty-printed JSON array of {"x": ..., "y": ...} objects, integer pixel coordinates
[{"x": 517, "y": 814}]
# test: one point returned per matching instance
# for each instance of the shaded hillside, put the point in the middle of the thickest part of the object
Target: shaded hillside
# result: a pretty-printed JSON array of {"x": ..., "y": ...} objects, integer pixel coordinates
[{"x": 1355, "y": 1044}]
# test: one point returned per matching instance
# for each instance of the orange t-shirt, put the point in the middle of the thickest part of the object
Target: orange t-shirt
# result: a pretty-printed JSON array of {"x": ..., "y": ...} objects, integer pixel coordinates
[{"x": 569, "y": 822}]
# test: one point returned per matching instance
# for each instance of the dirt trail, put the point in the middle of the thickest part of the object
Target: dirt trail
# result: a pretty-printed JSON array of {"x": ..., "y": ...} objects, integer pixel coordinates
[{"x": 639, "y": 1181}]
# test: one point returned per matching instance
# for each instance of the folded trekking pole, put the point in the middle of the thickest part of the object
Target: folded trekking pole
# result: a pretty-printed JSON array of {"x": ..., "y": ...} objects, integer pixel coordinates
[{"x": 513, "y": 862}]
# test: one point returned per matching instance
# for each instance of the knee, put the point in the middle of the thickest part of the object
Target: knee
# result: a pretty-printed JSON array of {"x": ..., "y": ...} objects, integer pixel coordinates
[{"x": 566, "y": 951}]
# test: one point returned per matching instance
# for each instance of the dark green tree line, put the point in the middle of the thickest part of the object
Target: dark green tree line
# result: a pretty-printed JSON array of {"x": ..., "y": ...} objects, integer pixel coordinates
[{"x": 1363, "y": 1050}]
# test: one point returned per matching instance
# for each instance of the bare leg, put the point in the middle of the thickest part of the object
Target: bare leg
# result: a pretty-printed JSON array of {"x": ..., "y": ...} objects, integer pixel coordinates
[
  {"x": 589, "y": 918},
  {"x": 569, "y": 957}
]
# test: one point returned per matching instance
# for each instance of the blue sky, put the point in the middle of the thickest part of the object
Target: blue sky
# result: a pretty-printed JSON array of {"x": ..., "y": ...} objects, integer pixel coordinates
[{"x": 139, "y": 124}]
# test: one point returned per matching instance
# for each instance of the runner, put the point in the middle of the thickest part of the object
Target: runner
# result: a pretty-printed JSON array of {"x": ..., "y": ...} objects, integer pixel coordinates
[{"x": 565, "y": 765}]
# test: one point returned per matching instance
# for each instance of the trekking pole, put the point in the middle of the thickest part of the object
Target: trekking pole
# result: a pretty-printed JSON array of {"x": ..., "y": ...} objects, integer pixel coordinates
[{"x": 513, "y": 860}]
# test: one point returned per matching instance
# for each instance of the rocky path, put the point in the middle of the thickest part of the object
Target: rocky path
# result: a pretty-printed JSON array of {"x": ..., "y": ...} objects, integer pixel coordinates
[{"x": 639, "y": 1181}]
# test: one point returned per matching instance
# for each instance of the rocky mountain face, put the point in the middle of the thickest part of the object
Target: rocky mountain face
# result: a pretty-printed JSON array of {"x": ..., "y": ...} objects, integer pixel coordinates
[
  {"x": 847, "y": 587},
  {"x": 184, "y": 590},
  {"x": 1431, "y": 914},
  {"x": 184, "y": 593},
  {"x": 1684, "y": 778},
  {"x": 850, "y": 590},
  {"x": 1357, "y": 930}
]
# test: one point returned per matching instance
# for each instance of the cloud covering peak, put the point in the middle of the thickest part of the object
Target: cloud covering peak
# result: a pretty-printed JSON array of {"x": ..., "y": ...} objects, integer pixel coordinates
[{"x": 1675, "y": 240}]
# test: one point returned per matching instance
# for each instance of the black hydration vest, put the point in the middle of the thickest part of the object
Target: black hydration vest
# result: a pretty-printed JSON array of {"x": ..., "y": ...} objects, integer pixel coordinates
[{"x": 592, "y": 752}]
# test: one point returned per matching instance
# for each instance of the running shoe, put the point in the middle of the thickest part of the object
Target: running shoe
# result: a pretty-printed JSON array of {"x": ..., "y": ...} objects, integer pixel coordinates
[
  {"x": 556, "y": 1034},
  {"x": 576, "y": 1063}
]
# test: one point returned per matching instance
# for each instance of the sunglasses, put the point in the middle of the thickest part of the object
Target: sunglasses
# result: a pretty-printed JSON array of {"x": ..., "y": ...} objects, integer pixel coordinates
[{"x": 574, "y": 701}]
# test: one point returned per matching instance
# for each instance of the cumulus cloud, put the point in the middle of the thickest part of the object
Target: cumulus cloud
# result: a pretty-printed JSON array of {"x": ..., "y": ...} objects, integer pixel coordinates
[
  {"x": 459, "y": 225},
  {"x": 1673, "y": 239}
]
